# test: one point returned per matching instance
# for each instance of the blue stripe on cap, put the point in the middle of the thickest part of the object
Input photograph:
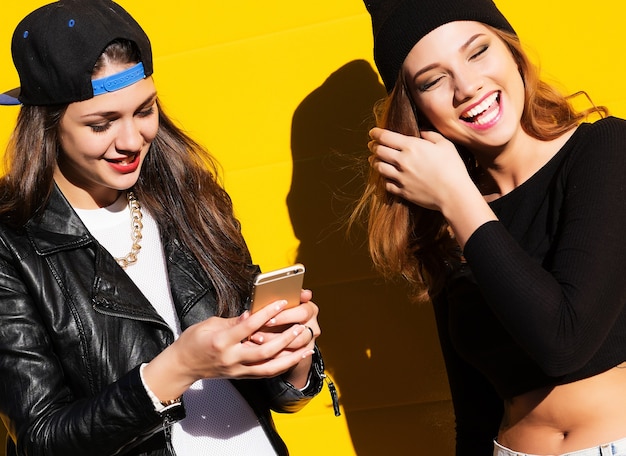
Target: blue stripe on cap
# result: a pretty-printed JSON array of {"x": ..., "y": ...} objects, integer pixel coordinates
[
  {"x": 118, "y": 81},
  {"x": 8, "y": 100}
]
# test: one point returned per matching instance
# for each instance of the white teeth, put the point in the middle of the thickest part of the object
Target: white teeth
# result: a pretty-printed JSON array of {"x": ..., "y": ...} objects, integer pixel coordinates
[
  {"x": 482, "y": 107},
  {"x": 126, "y": 161},
  {"x": 483, "y": 120}
]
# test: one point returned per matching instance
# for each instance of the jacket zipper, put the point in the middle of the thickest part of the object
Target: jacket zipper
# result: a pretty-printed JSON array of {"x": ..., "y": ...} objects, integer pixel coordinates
[
  {"x": 167, "y": 429},
  {"x": 167, "y": 421},
  {"x": 331, "y": 389},
  {"x": 132, "y": 317}
]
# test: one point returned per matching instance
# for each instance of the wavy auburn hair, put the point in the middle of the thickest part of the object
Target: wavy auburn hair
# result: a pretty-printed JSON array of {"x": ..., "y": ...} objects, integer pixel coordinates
[{"x": 414, "y": 242}]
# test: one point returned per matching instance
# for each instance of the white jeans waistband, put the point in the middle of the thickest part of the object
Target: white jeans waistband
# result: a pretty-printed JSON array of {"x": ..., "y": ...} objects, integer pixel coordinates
[{"x": 616, "y": 448}]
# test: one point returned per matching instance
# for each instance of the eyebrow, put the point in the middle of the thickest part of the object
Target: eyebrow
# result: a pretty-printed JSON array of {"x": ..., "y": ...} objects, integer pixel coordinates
[
  {"x": 150, "y": 99},
  {"x": 435, "y": 65}
]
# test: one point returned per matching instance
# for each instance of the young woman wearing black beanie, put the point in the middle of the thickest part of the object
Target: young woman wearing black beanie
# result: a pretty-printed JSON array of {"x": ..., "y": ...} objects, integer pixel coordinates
[{"x": 506, "y": 207}]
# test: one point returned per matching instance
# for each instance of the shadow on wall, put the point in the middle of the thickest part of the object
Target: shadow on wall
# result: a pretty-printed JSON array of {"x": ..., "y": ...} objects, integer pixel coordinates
[{"x": 380, "y": 348}]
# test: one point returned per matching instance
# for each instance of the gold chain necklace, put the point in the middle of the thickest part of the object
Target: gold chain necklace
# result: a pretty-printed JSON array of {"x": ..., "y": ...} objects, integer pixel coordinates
[{"x": 135, "y": 231}]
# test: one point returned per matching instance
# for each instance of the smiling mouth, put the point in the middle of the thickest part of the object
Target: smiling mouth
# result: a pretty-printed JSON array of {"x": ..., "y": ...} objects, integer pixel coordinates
[
  {"x": 124, "y": 161},
  {"x": 484, "y": 112}
]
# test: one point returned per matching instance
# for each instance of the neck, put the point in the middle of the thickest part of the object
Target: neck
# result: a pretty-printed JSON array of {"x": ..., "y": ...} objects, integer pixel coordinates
[
  {"x": 513, "y": 165},
  {"x": 82, "y": 197}
]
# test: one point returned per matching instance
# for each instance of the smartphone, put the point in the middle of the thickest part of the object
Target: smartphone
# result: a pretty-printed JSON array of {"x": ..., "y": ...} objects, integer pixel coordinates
[{"x": 285, "y": 283}]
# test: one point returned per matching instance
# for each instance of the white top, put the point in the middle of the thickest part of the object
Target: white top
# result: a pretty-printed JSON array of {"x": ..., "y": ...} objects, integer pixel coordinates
[{"x": 219, "y": 421}]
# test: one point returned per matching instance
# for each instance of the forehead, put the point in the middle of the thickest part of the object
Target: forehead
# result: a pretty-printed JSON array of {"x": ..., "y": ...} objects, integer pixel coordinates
[
  {"x": 127, "y": 99},
  {"x": 448, "y": 38}
]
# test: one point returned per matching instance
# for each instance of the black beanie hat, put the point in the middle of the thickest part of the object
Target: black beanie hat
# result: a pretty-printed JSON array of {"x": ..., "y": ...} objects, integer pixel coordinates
[
  {"x": 56, "y": 47},
  {"x": 398, "y": 25}
]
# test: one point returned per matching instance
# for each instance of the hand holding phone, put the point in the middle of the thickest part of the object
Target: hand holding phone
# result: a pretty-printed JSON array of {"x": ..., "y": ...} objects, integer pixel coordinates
[{"x": 285, "y": 283}]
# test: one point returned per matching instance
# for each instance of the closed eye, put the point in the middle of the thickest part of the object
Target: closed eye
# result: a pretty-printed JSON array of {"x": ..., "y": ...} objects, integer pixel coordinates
[
  {"x": 480, "y": 52},
  {"x": 428, "y": 85},
  {"x": 100, "y": 128},
  {"x": 146, "y": 112}
]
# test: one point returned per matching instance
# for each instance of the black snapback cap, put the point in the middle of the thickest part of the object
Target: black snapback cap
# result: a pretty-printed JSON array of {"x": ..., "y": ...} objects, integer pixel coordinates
[{"x": 55, "y": 48}]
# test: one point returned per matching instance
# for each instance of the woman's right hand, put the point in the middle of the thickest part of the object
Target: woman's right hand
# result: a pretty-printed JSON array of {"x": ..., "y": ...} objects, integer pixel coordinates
[
  {"x": 425, "y": 171},
  {"x": 219, "y": 348},
  {"x": 429, "y": 172}
]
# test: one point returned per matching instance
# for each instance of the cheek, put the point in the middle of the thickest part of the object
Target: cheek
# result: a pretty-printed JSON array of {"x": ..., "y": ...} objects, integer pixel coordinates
[
  {"x": 521, "y": 88},
  {"x": 84, "y": 145},
  {"x": 435, "y": 109},
  {"x": 150, "y": 129},
  {"x": 70, "y": 144}
]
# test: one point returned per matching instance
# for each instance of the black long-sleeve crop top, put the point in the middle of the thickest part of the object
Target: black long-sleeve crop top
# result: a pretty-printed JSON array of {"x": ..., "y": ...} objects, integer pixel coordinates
[{"x": 541, "y": 299}]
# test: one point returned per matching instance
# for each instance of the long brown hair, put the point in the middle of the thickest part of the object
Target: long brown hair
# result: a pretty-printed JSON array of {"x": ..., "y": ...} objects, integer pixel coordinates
[
  {"x": 178, "y": 185},
  {"x": 414, "y": 242}
]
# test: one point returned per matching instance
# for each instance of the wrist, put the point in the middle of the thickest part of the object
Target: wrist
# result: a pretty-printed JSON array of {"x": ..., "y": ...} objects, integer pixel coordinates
[
  {"x": 164, "y": 377},
  {"x": 299, "y": 375},
  {"x": 159, "y": 405},
  {"x": 466, "y": 213}
]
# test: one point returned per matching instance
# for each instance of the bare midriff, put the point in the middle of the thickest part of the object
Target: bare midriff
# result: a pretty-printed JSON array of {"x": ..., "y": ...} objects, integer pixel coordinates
[{"x": 567, "y": 418}]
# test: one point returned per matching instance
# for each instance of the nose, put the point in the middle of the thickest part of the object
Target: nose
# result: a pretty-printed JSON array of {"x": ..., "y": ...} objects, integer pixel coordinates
[
  {"x": 467, "y": 84},
  {"x": 129, "y": 137}
]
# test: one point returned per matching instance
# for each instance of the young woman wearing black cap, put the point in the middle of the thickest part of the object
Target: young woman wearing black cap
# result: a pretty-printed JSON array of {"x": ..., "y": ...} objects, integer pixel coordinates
[
  {"x": 124, "y": 276},
  {"x": 503, "y": 205}
]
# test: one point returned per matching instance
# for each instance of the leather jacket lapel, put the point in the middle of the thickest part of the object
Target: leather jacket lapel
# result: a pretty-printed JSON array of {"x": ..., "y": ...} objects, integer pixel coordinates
[
  {"x": 114, "y": 293},
  {"x": 60, "y": 229},
  {"x": 189, "y": 285}
]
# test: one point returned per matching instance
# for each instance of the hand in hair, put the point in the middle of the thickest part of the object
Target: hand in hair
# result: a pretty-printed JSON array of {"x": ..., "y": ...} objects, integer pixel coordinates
[{"x": 429, "y": 172}]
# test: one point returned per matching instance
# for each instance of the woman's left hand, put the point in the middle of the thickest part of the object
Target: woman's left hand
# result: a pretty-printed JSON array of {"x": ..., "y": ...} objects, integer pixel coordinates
[{"x": 305, "y": 314}]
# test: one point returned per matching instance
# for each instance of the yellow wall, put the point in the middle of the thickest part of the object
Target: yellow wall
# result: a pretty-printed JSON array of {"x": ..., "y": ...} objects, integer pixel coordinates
[{"x": 281, "y": 92}]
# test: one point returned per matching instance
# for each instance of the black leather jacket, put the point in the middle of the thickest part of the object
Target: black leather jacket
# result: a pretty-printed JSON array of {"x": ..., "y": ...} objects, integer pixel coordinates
[{"x": 74, "y": 329}]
